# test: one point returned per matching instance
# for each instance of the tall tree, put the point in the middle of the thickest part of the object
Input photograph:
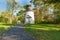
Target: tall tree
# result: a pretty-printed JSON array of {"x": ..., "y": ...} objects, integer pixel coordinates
[
  {"x": 10, "y": 7},
  {"x": 51, "y": 3}
]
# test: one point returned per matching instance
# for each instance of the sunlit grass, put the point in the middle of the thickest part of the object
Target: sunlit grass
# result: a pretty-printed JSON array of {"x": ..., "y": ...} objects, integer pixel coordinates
[
  {"x": 44, "y": 26},
  {"x": 44, "y": 31},
  {"x": 4, "y": 26}
]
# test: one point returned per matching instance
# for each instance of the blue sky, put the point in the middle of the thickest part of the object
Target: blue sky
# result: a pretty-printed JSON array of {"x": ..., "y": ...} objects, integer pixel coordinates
[
  {"x": 3, "y": 3},
  {"x": 23, "y": 2}
]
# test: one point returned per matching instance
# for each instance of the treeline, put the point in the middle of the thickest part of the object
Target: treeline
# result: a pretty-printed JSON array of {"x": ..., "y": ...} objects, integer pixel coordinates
[
  {"x": 41, "y": 12},
  {"x": 45, "y": 17}
]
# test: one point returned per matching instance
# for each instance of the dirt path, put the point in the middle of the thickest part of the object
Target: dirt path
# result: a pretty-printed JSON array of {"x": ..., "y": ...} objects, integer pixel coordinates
[{"x": 17, "y": 33}]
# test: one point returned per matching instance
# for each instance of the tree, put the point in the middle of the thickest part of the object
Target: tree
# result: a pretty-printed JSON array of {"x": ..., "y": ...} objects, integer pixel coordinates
[
  {"x": 46, "y": 3},
  {"x": 12, "y": 6}
]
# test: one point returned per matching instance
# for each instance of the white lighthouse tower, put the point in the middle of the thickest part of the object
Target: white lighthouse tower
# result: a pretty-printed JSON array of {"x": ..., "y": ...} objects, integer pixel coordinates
[{"x": 29, "y": 17}]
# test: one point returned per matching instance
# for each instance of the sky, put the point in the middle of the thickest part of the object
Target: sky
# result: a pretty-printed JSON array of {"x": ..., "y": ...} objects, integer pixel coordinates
[{"x": 3, "y": 4}]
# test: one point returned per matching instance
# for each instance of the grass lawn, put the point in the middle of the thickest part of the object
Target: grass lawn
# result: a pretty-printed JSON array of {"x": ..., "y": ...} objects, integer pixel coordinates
[
  {"x": 44, "y": 31},
  {"x": 40, "y": 31},
  {"x": 4, "y": 27}
]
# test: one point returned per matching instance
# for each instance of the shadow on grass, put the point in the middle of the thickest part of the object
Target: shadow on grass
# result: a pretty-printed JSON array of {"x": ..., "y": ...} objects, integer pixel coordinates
[
  {"x": 44, "y": 31},
  {"x": 2, "y": 30},
  {"x": 45, "y": 34}
]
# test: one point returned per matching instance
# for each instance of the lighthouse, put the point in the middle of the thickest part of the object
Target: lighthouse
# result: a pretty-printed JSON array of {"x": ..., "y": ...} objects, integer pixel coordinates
[{"x": 29, "y": 16}]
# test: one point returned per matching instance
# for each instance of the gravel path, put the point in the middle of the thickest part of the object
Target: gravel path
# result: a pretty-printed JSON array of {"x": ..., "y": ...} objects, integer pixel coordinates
[{"x": 17, "y": 33}]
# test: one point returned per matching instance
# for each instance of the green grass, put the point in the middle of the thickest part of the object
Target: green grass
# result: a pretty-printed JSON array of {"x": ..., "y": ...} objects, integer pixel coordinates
[
  {"x": 44, "y": 26},
  {"x": 40, "y": 31},
  {"x": 44, "y": 31},
  {"x": 4, "y": 27}
]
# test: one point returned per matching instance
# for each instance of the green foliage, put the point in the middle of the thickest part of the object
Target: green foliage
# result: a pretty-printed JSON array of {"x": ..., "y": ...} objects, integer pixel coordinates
[
  {"x": 5, "y": 18},
  {"x": 8, "y": 17},
  {"x": 47, "y": 18},
  {"x": 21, "y": 16}
]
